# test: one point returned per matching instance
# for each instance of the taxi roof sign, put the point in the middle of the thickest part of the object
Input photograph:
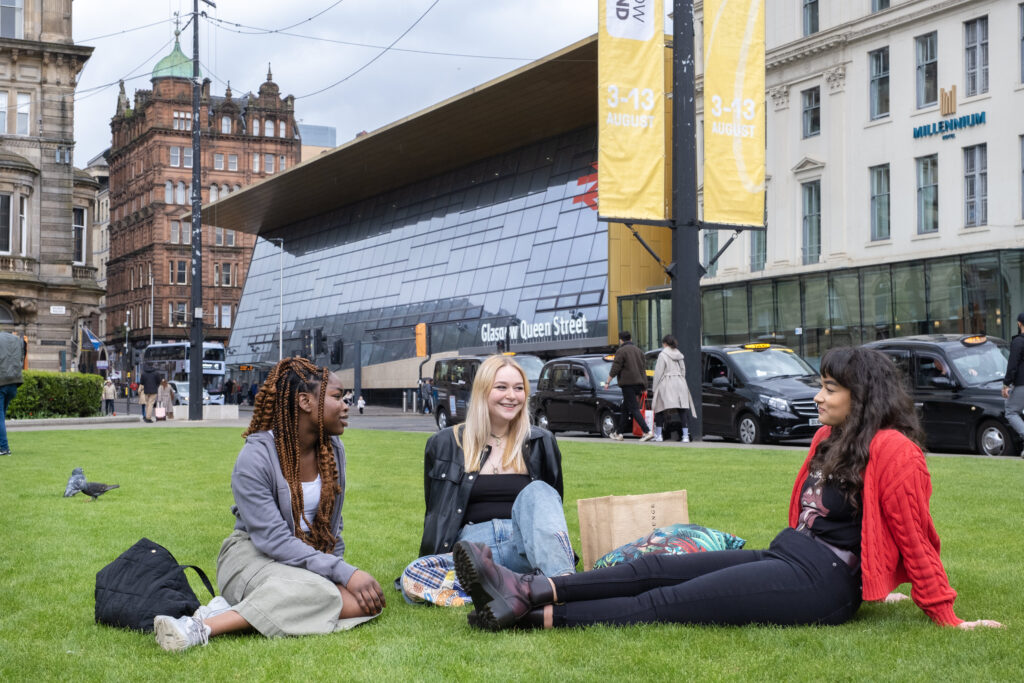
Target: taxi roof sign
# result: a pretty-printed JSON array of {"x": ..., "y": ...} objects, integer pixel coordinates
[
  {"x": 972, "y": 340},
  {"x": 757, "y": 346}
]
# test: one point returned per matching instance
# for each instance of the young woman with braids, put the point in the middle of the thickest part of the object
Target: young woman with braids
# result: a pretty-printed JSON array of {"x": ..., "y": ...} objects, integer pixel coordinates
[
  {"x": 859, "y": 525},
  {"x": 495, "y": 480},
  {"x": 282, "y": 571}
]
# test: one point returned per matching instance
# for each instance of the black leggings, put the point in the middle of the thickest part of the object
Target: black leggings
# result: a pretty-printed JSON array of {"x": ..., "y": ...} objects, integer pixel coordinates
[
  {"x": 631, "y": 409},
  {"x": 797, "y": 581}
]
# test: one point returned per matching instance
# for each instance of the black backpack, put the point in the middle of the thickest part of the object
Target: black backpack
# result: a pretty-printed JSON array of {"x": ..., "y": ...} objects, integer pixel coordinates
[{"x": 143, "y": 582}]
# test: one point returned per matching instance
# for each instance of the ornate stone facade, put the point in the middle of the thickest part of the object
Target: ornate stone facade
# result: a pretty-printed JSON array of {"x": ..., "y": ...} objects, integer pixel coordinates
[
  {"x": 243, "y": 140},
  {"x": 47, "y": 285}
]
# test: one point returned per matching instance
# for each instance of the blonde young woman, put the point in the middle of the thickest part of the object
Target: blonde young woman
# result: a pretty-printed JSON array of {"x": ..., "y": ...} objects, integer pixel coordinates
[{"x": 494, "y": 480}]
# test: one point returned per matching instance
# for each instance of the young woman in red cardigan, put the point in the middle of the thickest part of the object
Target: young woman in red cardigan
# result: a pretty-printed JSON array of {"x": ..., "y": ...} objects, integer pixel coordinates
[{"x": 859, "y": 526}]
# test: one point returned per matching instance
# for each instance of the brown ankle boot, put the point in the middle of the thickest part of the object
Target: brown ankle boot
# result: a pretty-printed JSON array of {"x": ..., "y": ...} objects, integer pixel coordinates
[{"x": 505, "y": 597}]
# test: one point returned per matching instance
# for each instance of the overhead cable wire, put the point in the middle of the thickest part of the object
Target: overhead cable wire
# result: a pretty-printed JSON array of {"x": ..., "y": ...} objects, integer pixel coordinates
[
  {"x": 89, "y": 92},
  {"x": 117, "y": 33}
]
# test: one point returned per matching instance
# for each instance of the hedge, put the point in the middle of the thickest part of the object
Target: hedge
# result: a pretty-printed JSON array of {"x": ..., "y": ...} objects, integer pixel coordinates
[{"x": 56, "y": 394}]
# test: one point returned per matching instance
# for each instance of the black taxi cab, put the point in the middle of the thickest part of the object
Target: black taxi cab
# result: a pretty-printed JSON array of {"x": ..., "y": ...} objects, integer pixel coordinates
[
  {"x": 955, "y": 381},
  {"x": 571, "y": 396},
  {"x": 755, "y": 393}
]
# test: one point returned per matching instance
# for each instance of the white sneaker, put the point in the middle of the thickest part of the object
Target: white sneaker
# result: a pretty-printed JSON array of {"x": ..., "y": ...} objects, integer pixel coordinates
[
  {"x": 175, "y": 635},
  {"x": 686, "y": 438},
  {"x": 647, "y": 437},
  {"x": 658, "y": 439},
  {"x": 615, "y": 436},
  {"x": 216, "y": 606}
]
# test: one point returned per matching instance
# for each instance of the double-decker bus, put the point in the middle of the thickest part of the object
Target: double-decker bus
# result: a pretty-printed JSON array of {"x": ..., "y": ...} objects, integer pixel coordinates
[{"x": 172, "y": 360}]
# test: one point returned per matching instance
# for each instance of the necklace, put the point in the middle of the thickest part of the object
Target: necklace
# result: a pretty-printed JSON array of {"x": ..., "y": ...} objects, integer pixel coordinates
[{"x": 496, "y": 465}]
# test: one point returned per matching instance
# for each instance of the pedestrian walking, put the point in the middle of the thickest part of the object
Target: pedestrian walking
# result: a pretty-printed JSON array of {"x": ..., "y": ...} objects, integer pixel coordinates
[
  {"x": 150, "y": 384},
  {"x": 12, "y": 360},
  {"x": 671, "y": 393},
  {"x": 109, "y": 394},
  {"x": 361, "y": 404},
  {"x": 1013, "y": 382},
  {"x": 628, "y": 366}
]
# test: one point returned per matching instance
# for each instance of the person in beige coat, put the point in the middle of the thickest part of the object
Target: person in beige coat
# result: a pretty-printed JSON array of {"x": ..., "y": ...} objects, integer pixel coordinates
[{"x": 671, "y": 392}]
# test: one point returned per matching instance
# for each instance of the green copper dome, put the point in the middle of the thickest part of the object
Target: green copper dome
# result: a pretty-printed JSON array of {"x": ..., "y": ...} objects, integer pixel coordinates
[{"x": 174, "y": 65}]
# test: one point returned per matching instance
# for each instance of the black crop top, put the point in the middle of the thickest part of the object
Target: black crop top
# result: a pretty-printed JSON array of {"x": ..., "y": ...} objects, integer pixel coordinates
[{"x": 492, "y": 496}]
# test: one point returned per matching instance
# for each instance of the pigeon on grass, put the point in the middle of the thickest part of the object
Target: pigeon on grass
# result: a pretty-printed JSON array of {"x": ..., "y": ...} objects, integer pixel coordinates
[
  {"x": 75, "y": 482},
  {"x": 96, "y": 489}
]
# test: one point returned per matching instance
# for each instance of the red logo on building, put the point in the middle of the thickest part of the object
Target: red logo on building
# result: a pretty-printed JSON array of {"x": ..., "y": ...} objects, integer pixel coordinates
[{"x": 589, "y": 196}]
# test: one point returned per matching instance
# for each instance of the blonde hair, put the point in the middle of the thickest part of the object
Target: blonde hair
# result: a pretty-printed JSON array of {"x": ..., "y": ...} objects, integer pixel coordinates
[{"x": 472, "y": 436}]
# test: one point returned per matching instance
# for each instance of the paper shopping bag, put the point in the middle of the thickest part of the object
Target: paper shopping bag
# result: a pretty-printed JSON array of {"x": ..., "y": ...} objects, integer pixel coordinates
[{"x": 611, "y": 521}]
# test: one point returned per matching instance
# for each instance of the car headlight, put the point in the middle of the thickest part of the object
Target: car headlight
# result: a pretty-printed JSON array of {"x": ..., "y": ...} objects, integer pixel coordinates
[{"x": 776, "y": 403}]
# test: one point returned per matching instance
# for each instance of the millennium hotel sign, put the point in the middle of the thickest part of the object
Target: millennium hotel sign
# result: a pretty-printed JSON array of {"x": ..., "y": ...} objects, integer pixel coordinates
[{"x": 947, "y": 127}]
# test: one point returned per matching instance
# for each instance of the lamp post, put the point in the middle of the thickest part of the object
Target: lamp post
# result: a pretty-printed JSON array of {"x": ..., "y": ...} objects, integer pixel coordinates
[{"x": 280, "y": 296}]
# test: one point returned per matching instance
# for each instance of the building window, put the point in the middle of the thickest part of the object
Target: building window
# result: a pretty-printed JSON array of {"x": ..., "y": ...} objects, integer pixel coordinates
[
  {"x": 180, "y": 275},
  {"x": 182, "y": 120},
  {"x": 168, "y": 192},
  {"x": 255, "y": 162},
  {"x": 878, "y": 61},
  {"x": 282, "y": 129},
  {"x": 879, "y": 202},
  {"x": 175, "y": 156},
  {"x": 225, "y": 315},
  {"x": 186, "y": 233},
  {"x": 232, "y": 162},
  {"x": 879, "y": 5},
  {"x": 218, "y": 236},
  {"x": 812, "y": 111},
  {"x": 187, "y": 157},
  {"x": 255, "y": 126},
  {"x": 175, "y": 232},
  {"x": 268, "y": 163},
  {"x": 268, "y": 128},
  {"x": 24, "y": 112},
  {"x": 5, "y": 224},
  {"x": 12, "y": 19},
  {"x": 758, "y": 250},
  {"x": 810, "y": 17},
  {"x": 179, "y": 193},
  {"x": 213, "y": 193},
  {"x": 1021, "y": 181},
  {"x": 177, "y": 313},
  {"x": 225, "y": 125},
  {"x": 218, "y": 162},
  {"x": 975, "y": 185},
  {"x": 225, "y": 272},
  {"x": 710, "y": 249},
  {"x": 976, "y": 56},
  {"x": 927, "y": 69},
  {"x": 78, "y": 231},
  {"x": 229, "y": 237},
  {"x": 927, "y": 194},
  {"x": 225, "y": 190},
  {"x": 811, "y": 193},
  {"x": 3, "y": 113},
  {"x": 23, "y": 222},
  {"x": 1022, "y": 42},
  {"x": 280, "y": 162}
]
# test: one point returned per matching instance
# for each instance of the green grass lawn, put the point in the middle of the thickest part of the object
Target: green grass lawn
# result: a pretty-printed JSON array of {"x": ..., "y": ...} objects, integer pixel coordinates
[{"x": 175, "y": 490}]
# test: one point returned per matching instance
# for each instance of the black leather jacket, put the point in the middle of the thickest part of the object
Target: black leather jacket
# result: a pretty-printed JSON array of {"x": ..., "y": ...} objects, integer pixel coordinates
[{"x": 446, "y": 483}]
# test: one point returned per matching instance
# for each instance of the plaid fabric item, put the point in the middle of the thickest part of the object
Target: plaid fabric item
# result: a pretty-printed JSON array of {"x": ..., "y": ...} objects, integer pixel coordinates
[{"x": 431, "y": 579}]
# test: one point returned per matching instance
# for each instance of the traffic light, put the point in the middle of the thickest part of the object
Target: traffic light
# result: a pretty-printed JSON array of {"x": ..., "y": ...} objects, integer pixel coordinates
[
  {"x": 422, "y": 347},
  {"x": 307, "y": 344},
  {"x": 319, "y": 342},
  {"x": 337, "y": 352}
]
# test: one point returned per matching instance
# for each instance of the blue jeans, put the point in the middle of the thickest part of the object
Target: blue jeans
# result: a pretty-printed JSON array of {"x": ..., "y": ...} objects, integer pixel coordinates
[
  {"x": 7, "y": 393},
  {"x": 1014, "y": 406},
  {"x": 536, "y": 537}
]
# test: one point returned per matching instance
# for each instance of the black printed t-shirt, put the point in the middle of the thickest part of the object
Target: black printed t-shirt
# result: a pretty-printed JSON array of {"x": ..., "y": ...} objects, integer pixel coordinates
[{"x": 825, "y": 510}]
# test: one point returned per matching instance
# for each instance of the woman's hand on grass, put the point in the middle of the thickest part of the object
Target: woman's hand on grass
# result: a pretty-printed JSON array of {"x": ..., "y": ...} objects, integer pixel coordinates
[
  {"x": 980, "y": 623},
  {"x": 367, "y": 592}
]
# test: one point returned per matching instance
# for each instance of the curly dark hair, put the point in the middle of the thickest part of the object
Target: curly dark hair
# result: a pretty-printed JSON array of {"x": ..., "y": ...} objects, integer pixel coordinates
[
  {"x": 878, "y": 400},
  {"x": 277, "y": 408}
]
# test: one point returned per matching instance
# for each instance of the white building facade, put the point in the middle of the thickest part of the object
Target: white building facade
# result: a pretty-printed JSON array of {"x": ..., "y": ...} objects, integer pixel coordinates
[{"x": 895, "y": 164}]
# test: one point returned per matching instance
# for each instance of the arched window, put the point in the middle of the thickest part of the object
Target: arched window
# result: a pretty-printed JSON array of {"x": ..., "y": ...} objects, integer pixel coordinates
[
  {"x": 225, "y": 190},
  {"x": 213, "y": 193},
  {"x": 188, "y": 195},
  {"x": 255, "y": 126},
  {"x": 283, "y": 128},
  {"x": 168, "y": 192},
  {"x": 225, "y": 125},
  {"x": 268, "y": 128},
  {"x": 236, "y": 188},
  {"x": 179, "y": 194}
]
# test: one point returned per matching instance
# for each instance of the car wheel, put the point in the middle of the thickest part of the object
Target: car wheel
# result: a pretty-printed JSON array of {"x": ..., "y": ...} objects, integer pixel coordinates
[
  {"x": 442, "y": 419},
  {"x": 748, "y": 429},
  {"x": 541, "y": 420},
  {"x": 606, "y": 424},
  {"x": 995, "y": 439}
]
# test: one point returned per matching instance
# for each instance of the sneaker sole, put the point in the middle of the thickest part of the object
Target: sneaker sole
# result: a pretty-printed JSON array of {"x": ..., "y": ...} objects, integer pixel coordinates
[
  {"x": 492, "y": 613},
  {"x": 168, "y": 636}
]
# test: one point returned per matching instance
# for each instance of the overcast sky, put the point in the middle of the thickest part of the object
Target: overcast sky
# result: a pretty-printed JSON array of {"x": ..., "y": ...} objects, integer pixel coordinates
[{"x": 449, "y": 46}]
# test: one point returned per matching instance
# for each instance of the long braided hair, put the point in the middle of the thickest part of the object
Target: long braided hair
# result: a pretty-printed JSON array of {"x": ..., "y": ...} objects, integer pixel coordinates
[
  {"x": 878, "y": 400},
  {"x": 277, "y": 408}
]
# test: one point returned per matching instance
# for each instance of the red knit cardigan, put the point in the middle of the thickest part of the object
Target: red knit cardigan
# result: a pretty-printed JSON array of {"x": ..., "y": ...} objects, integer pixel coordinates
[{"x": 898, "y": 539}]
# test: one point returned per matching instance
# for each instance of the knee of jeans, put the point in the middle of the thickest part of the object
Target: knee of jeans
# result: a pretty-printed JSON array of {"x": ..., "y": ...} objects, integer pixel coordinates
[{"x": 535, "y": 491}]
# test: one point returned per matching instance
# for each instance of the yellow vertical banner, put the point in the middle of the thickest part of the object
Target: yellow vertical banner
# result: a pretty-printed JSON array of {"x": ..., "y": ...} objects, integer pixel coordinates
[
  {"x": 734, "y": 114},
  {"x": 631, "y": 109}
]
